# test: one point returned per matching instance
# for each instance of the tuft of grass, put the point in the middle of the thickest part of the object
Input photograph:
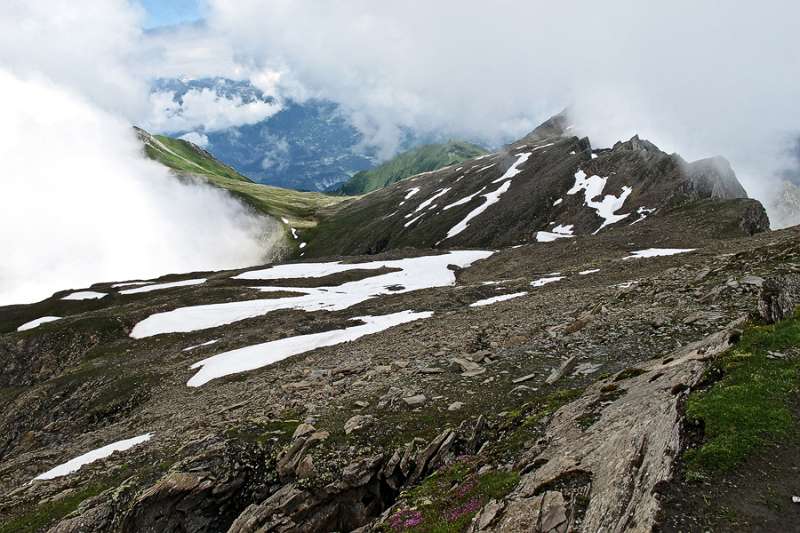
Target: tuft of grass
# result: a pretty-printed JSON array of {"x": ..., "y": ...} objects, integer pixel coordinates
[{"x": 749, "y": 406}]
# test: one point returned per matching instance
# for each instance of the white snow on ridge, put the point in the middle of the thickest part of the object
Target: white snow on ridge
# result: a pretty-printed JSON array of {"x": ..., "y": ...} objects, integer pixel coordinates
[
  {"x": 130, "y": 284},
  {"x": 658, "y": 252},
  {"x": 513, "y": 170},
  {"x": 592, "y": 187},
  {"x": 84, "y": 295},
  {"x": 491, "y": 198},
  {"x": 590, "y": 271},
  {"x": 415, "y": 273},
  {"x": 495, "y": 299},
  {"x": 159, "y": 286},
  {"x": 428, "y": 202},
  {"x": 36, "y": 323},
  {"x": 75, "y": 464},
  {"x": 464, "y": 200},
  {"x": 487, "y": 167},
  {"x": 260, "y": 355},
  {"x": 544, "y": 281}
]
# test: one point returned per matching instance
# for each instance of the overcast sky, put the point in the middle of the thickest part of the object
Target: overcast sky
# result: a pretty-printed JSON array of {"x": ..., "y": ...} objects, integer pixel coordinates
[{"x": 702, "y": 78}]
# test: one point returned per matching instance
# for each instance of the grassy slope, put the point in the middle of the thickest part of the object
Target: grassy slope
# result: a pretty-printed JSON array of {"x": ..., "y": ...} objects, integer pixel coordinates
[
  {"x": 183, "y": 157},
  {"x": 750, "y": 404},
  {"x": 422, "y": 159}
]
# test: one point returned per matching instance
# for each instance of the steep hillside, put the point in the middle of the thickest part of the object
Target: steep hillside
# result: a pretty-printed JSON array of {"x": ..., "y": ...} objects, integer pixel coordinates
[
  {"x": 521, "y": 385},
  {"x": 548, "y": 185},
  {"x": 423, "y": 159},
  {"x": 298, "y": 208}
]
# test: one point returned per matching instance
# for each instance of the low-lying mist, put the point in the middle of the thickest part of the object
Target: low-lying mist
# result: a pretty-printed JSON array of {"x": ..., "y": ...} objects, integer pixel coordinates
[{"x": 82, "y": 204}]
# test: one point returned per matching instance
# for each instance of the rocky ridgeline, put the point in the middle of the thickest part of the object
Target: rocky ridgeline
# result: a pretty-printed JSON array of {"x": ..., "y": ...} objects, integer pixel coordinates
[
  {"x": 541, "y": 390},
  {"x": 531, "y": 186}
]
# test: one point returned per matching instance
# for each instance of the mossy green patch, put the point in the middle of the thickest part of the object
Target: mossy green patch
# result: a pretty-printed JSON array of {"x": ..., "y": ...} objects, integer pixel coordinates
[
  {"x": 280, "y": 430},
  {"x": 41, "y": 516},
  {"x": 749, "y": 406}
]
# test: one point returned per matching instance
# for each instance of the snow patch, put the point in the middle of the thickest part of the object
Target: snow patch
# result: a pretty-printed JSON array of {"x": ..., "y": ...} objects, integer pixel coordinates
[
  {"x": 208, "y": 343},
  {"x": 131, "y": 284},
  {"x": 495, "y": 299},
  {"x": 38, "y": 322},
  {"x": 159, "y": 286},
  {"x": 544, "y": 281},
  {"x": 267, "y": 353},
  {"x": 592, "y": 187},
  {"x": 411, "y": 192},
  {"x": 491, "y": 198},
  {"x": 658, "y": 252},
  {"x": 464, "y": 200},
  {"x": 513, "y": 170},
  {"x": 428, "y": 202},
  {"x": 558, "y": 202},
  {"x": 74, "y": 465},
  {"x": 412, "y": 274},
  {"x": 587, "y": 272},
  {"x": 84, "y": 295},
  {"x": 559, "y": 232}
]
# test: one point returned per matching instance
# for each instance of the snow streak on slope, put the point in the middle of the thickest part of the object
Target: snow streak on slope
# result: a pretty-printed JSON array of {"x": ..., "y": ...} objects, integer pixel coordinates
[
  {"x": 414, "y": 274},
  {"x": 513, "y": 170},
  {"x": 74, "y": 465},
  {"x": 160, "y": 286},
  {"x": 657, "y": 252},
  {"x": 495, "y": 299},
  {"x": 38, "y": 322},
  {"x": 559, "y": 232},
  {"x": 260, "y": 355},
  {"x": 491, "y": 198}
]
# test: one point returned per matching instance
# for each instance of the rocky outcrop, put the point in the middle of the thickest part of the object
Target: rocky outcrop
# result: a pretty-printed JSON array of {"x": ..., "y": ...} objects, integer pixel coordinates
[
  {"x": 779, "y": 297},
  {"x": 604, "y": 456},
  {"x": 362, "y": 490}
]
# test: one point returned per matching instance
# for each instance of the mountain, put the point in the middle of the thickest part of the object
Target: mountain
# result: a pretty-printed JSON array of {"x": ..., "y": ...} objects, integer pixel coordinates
[
  {"x": 303, "y": 146},
  {"x": 606, "y": 341},
  {"x": 415, "y": 161},
  {"x": 546, "y": 186}
]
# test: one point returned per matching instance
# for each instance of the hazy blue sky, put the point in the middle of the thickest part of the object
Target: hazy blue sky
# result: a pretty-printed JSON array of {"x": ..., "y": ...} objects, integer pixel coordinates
[{"x": 171, "y": 12}]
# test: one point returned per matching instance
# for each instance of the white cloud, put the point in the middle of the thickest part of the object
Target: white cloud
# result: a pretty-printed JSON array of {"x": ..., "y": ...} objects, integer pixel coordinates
[
  {"x": 205, "y": 109},
  {"x": 80, "y": 202},
  {"x": 699, "y": 77},
  {"x": 90, "y": 50},
  {"x": 81, "y": 205},
  {"x": 194, "y": 137}
]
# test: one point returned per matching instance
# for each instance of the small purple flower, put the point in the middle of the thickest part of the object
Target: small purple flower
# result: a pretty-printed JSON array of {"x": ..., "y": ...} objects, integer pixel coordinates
[
  {"x": 468, "y": 508},
  {"x": 405, "y": 519},
  {"x": 464, "y": 489}
]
